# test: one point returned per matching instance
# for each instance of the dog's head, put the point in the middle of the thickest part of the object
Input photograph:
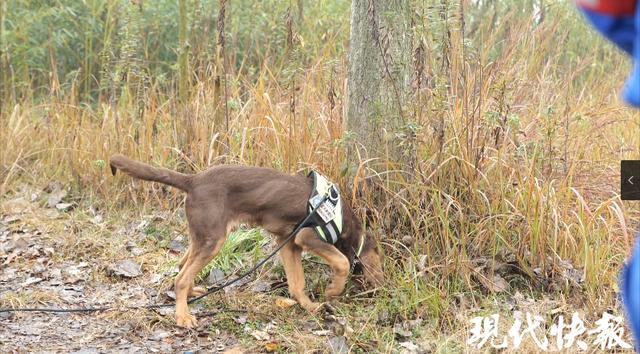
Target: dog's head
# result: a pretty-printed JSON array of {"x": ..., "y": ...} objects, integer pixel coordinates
[{"x": 371, "y": 261}]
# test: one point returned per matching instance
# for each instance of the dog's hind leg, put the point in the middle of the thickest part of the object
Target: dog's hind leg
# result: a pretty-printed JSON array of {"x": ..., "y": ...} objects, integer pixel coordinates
[
  {"x": 338, "y": 262},
  {"x": 194, "y": 290},
  {"x": 184, "y": 258},
  {"x": 291, "y": 255},
  {"x": 203, "y": 249}
]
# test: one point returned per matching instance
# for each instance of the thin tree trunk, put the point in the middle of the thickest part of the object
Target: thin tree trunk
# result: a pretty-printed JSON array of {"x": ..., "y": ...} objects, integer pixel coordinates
[
  {"x": 4, "y": 62},
  {"x": 183, "y": 78},
  {"x": 379, "y": 75},
  {"x": 300, "y": 12},
  {"x": 222, "y": 61},
  {"x": 220, "y": 84}
]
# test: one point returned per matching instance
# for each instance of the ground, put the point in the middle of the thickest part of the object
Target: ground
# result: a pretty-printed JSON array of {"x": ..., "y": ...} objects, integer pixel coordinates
[
  {"x": 61, "y": 251},
  {"x": 57, "y": 254}
]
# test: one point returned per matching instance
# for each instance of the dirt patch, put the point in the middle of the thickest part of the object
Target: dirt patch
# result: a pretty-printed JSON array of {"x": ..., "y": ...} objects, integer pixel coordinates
[
  {"x": 36, "y": 273},
  {"x": 78, "y": 258}
]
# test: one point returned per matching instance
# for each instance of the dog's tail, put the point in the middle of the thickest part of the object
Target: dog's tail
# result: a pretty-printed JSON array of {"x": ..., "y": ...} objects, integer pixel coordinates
[{"x": 149, "y": 173}]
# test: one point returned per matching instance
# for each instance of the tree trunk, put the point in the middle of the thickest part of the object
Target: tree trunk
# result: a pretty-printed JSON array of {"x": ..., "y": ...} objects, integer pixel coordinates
[
  {"x": 300, "y": 12},
  {"x": 379, "y": 75},
  {"x": 183, "y": 53},
  {"x": 4, "y": 61}
]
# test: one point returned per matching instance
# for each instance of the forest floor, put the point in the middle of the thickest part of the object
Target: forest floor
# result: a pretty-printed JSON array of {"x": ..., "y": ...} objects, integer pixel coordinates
[
  {"x": 59, "y": 254},
  {"x": 57, "y": 251}
]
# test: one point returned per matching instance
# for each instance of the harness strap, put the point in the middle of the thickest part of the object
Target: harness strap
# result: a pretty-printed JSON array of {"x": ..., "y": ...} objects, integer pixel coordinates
[
  {"x": 361, "y": 246},
  {"x": 328, "y": 221}
]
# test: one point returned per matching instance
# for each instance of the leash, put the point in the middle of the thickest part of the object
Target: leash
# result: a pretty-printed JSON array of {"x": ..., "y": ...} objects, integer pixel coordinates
[{"x": 209, "y": 291}]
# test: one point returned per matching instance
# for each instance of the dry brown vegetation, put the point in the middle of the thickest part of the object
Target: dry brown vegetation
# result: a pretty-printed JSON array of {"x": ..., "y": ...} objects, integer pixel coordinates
[{"x": 516, "y": 134}]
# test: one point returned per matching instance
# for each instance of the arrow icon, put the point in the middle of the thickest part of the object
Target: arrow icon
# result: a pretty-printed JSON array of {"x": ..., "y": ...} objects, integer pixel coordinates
[{"x": 630, "y": 180}]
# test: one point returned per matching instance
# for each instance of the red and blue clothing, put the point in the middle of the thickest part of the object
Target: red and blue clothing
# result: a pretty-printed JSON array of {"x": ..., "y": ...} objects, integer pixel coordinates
[
  {"x": 619, "y": 21},
  {"x": 630, "y": 291}
]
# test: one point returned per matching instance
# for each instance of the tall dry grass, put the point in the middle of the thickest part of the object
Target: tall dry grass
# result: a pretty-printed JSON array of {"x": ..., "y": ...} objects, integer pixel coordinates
[{"x": 516, "y": 132}]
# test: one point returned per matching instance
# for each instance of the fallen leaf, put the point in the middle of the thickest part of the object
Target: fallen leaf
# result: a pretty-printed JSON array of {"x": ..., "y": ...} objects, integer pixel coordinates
[
  {"x": 127, "y": 268},
  {"x": 407, "y": 240},
  {"x": 155, "y": 278},
  {"x": 176, "y": 246},
  {"x": 142, "y": 225},
  {"x": 410, "y": 347},
  {"x": 16, "y": 206},
  {"x": 65, "y": 206},
  {"x": 400, "y": 331},
  {"x": 165, "y": 311},
  {"x": 260, "y": 286},
  {"x": 322, "y": 332},
  {"x": 348, "y": 331},
  {"x": 157, "y": 217},
  {"x": 98, "y": 219},
  {"x": 271, "y": 327},
  {"x": 71, "y": 294},
  {"x": 51, "y": 214},
  {"x": 384, "y": 317},
  {"x": 414, "y": 323},
  {"x": 55, "y": 197},
  {"x": 215, "y": 276},
  {"x": 19, "y": 243},
  {"x": 338, "y": 345},
  {"x": 73, "y": 274},
  {"x": 495, "y": 284},
  {"x": 341, "y": 327},
  {"x": 31, "y": 280},
  {"x": 11, "y": 257},
  {"x": 285, "y": 303},
  {"x": 132, "y": 247},
  {"x": 12, "y": 218},
  {"x": 570, "y": 274},
  {"x": 159, "y": 335},
  {"x": 56, "y": 276},
  {"x": 271, "y": 346},
  {"x": 8, "y": 274},
  {"x": 86, "y": 351},
  {"x": 242, "y": 319},
  {"x": 137, "y": 251},
  {"x": 260, "y": 335}
]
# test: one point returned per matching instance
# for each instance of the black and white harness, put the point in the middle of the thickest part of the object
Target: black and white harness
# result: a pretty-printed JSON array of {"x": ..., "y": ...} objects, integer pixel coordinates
[{"x": 327, "y": 221}]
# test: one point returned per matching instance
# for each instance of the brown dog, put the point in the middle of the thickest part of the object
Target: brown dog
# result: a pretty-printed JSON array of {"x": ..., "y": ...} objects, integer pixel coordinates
[{"x": 224, "y": 196}]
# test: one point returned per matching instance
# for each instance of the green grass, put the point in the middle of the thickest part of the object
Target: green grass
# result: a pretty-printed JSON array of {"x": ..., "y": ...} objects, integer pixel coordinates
[{"x": 243, "y": 248}]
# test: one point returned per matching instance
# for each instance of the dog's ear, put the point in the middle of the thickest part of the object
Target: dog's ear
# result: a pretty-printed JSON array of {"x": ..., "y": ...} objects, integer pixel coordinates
[{"x": 371, "y": 259}]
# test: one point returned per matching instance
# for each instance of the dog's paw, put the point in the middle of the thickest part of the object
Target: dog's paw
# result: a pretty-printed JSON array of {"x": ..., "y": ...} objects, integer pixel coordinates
[
  {"x": 197, "y": 291},
  {"x": 186, "y": 320},
  {"x": 333, "y": 291}
]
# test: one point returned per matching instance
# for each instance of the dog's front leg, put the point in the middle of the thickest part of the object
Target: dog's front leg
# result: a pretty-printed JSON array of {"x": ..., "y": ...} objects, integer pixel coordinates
[
  {"x": 310, "y": 242},
  {"x": 292, "y": 261}
]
